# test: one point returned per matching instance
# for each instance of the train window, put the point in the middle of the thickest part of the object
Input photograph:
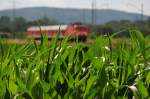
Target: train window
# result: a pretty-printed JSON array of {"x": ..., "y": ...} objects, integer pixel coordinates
[{"x": 81, "y": 28}]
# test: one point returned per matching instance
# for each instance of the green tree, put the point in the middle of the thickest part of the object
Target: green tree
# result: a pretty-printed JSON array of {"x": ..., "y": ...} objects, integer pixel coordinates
[
  {"x": 104, "y": 30},
  {"x": 19, "y": 26},
  {"x": 5, "y": 24},
  {"x": 149, "y": 21},
  {"x": 44, "y": 21}
]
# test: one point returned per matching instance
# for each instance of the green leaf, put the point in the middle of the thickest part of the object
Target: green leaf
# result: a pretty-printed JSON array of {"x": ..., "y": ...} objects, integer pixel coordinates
[
  {"x": 2, "y": 88},
  {"x": 45, "y": 86},
  {"x": 142, "y": 89}
]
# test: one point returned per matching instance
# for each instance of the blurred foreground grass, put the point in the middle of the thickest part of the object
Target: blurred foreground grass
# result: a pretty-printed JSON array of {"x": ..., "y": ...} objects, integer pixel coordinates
[{"x": 60, "y": 70}]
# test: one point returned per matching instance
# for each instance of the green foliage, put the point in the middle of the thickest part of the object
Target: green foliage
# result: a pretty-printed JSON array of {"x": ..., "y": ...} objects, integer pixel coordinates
[
  {"x": 18, "y": 25},
  {"x": 116, "y": 26},
  {"x": 57, "y": 70},
  {"x": 5, "y": 24}
]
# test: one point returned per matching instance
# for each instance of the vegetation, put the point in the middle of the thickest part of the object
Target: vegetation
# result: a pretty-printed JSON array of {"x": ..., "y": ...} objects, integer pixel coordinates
[
  {"x": 58, "y": 70},
  {"x": 18, "y": 26},
  {"x": 116, "y": 26}
]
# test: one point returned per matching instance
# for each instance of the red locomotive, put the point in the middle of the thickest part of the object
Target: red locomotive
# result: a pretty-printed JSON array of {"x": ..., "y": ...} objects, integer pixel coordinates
[{"x": 72, "y": 30}]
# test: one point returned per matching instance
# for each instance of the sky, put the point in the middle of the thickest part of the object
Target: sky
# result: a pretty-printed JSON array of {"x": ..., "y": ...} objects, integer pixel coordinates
[{"x": 123, "y": 5}]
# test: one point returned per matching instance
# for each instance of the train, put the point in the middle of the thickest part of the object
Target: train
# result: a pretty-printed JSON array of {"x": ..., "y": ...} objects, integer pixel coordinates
[{"x": 73, "y": 31}]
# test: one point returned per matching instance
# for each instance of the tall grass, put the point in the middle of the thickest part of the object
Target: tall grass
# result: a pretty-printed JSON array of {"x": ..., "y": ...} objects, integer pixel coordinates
[{"x": 58, "y": 70}]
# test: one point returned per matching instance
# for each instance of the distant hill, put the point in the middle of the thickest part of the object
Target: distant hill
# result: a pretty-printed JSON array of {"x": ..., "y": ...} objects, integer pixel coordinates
[{"x": 66, "y": 15}]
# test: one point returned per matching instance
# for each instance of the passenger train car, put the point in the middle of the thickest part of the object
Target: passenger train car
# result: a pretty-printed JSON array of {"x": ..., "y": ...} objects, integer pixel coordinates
[{"x": 72, "y": 31}]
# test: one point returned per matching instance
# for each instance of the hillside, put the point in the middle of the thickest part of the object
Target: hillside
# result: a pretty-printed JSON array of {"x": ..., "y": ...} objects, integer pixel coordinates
[{"x": 65, "y": 15}]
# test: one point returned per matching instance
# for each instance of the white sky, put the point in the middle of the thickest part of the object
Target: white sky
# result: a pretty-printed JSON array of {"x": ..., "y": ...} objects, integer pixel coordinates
[{"x": 125, "y": 5}]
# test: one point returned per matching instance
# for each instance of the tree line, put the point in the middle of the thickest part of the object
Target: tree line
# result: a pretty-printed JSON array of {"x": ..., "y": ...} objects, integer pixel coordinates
[
  {"x": 18, "y": 25},
  {"x": 122, "y": 26}
]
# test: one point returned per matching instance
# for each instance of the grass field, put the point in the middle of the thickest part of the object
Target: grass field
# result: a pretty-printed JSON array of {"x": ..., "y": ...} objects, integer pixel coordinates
[{"x": 103, "y": 69}]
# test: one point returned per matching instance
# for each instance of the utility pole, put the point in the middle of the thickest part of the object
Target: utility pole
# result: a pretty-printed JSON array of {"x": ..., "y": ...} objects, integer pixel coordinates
[
  {"x": 14, "y": 16},
  {"x": 93, "y": 12},
  {"x": 142, "y": 11}
]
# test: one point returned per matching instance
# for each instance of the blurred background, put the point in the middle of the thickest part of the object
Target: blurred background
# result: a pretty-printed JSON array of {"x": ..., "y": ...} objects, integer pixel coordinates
[{"x": 102, "y": 16}]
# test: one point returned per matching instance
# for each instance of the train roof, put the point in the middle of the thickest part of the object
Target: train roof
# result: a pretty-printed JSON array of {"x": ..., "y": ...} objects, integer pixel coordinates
[{"x": 49, "y": 27}]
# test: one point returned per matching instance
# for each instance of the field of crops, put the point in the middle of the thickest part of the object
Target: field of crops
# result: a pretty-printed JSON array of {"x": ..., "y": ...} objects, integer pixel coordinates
[{"x": 59, "y": 70}]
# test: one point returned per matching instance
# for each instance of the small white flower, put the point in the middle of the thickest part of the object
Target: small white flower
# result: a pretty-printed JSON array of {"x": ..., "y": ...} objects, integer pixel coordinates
[
  {"x": 56, "y": 56},
  {"x": 16, "y": 96},
  {"x": 133, "y": 88},
  {"x": 60, "y": 50},
  {"x": 107, "y": 48},
  {"x": 69, "y": 46},
  {"x": 107, "y": 84},
  {"x": 103, "y": 58},
  {"x": 83, "y": 69}
]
